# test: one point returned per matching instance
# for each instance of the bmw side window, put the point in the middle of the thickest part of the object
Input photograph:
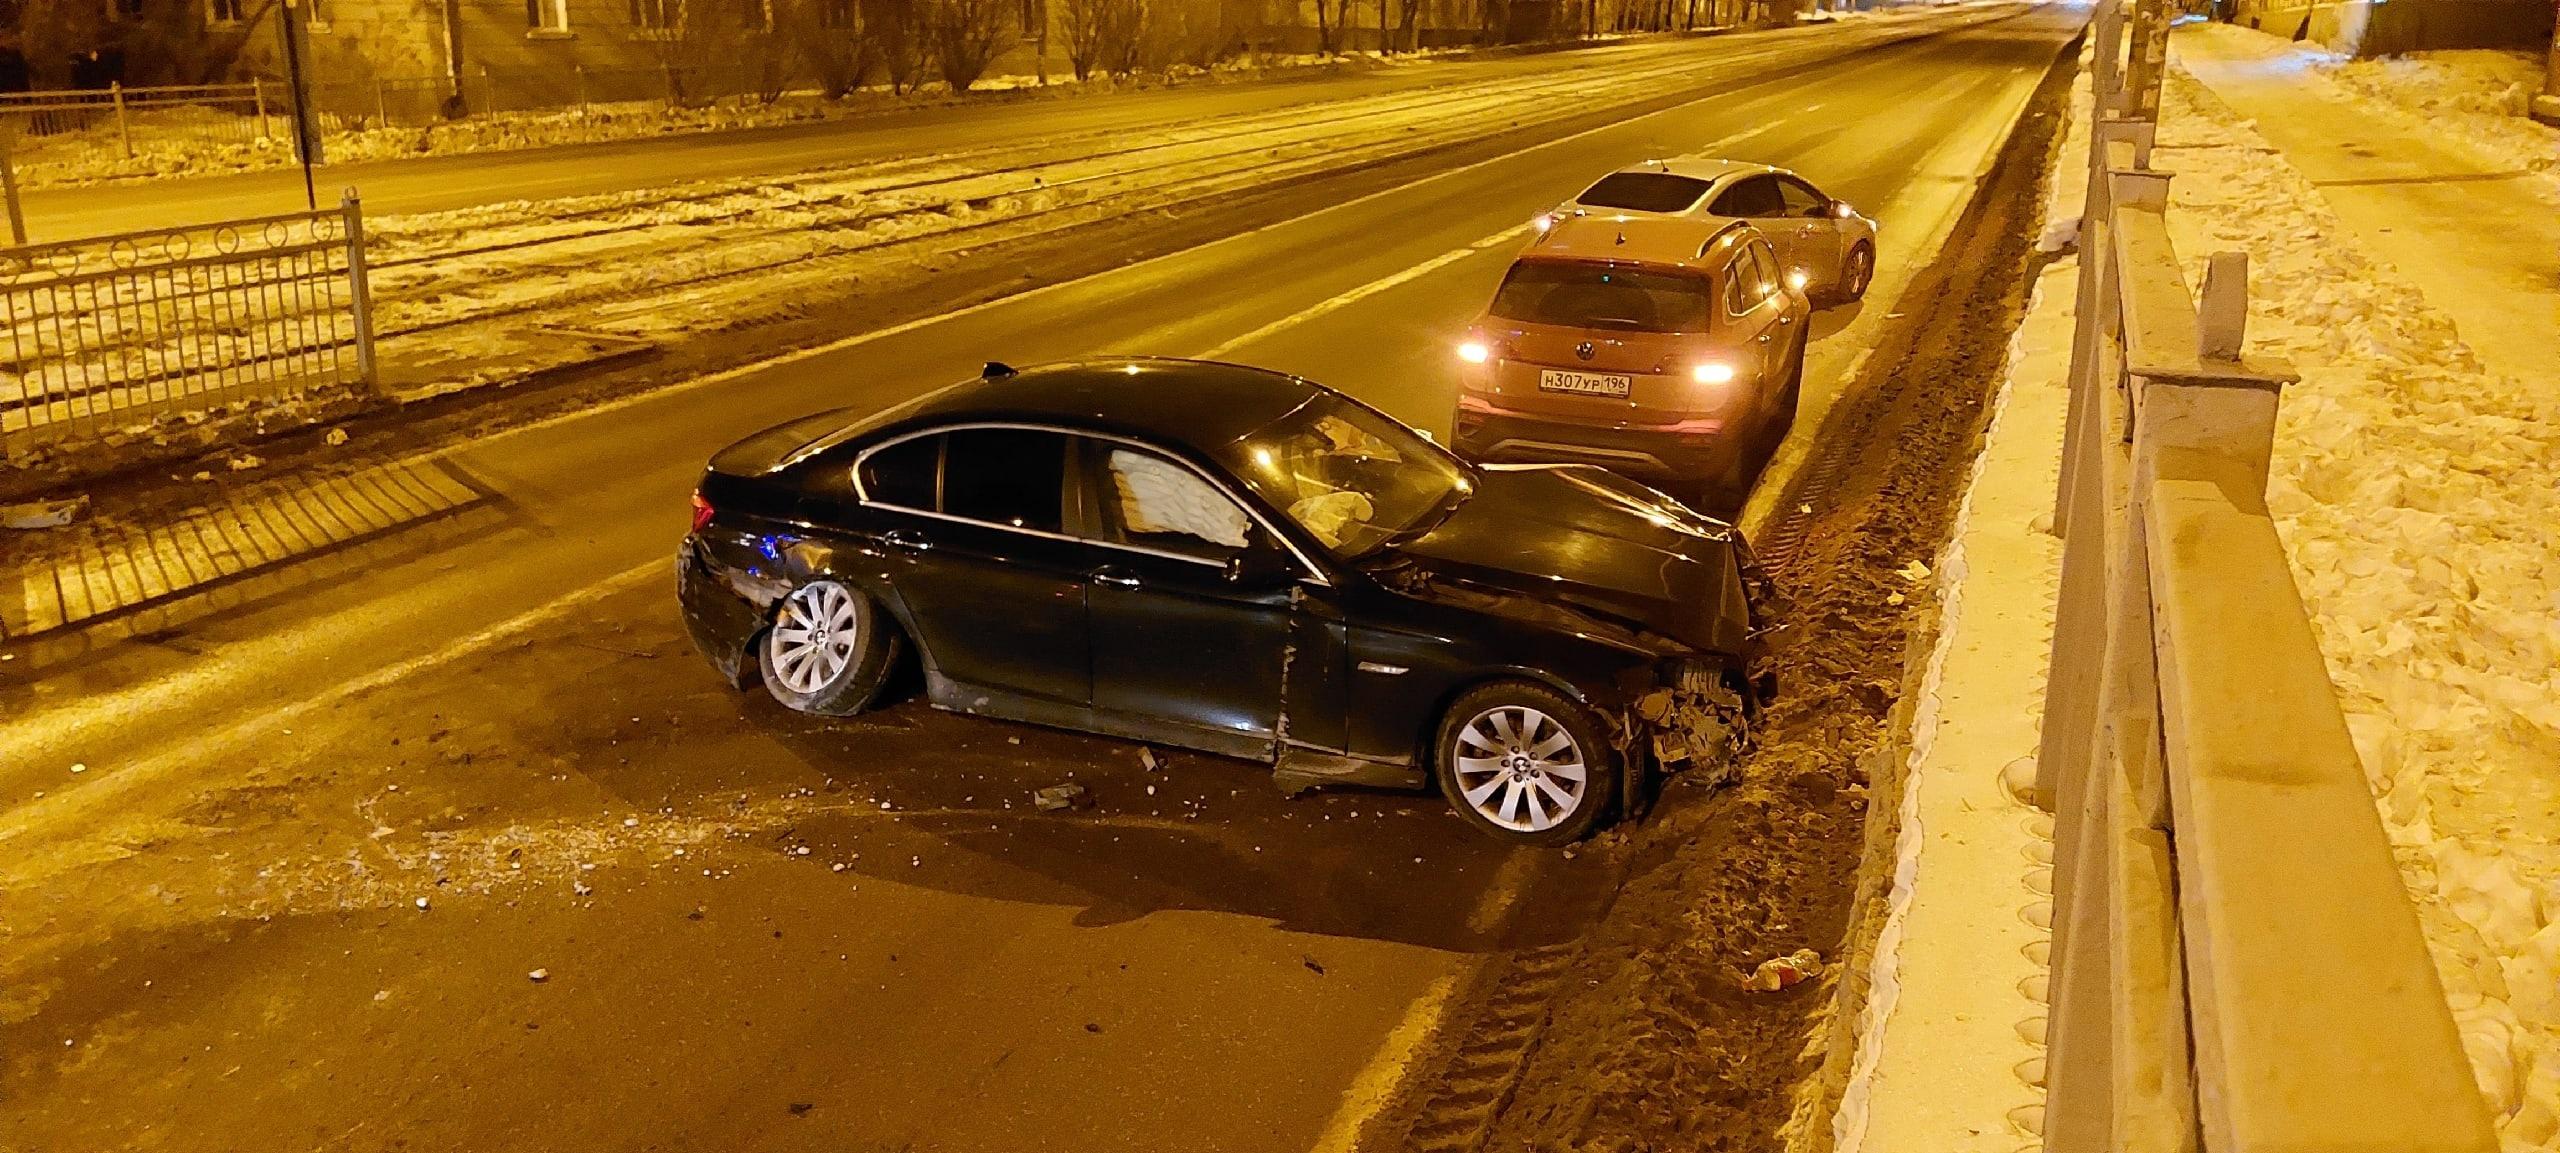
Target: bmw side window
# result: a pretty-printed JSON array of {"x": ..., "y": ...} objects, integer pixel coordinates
[
  {"x": 1151, "y": 502},
  {"x": 1009, "y": 476},
  {"x": 907, "y": 474}
]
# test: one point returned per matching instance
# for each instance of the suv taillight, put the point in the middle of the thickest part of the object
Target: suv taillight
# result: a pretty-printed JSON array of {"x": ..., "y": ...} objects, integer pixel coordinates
[{"x": 701, "y": 512}]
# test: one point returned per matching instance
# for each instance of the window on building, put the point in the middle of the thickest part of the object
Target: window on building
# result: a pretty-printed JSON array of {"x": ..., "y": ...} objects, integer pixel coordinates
[
  {"x": 546, "y": 15},
  {"x": 223, "y": 11},
  {"x": 835, "y": 13},
  {"x": 315, "y": 14},
  {"x": 656, "y": 14}
]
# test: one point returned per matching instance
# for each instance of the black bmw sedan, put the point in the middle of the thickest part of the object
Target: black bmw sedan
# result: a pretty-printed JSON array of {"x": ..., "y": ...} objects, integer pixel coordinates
[{"x": 1236, "y": 561}]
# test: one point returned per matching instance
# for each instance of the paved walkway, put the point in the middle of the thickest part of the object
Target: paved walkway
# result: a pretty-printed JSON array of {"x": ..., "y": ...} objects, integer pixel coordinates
[{"x": 2482, "y": 242}]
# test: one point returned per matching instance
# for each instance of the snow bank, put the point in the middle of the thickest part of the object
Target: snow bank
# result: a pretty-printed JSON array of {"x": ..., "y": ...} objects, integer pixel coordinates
[{"x": 2415, "y": 491}]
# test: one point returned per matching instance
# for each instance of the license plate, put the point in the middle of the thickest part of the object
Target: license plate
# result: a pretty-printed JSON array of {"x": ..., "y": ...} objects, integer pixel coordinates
[{"x": 1584, "y": 383}]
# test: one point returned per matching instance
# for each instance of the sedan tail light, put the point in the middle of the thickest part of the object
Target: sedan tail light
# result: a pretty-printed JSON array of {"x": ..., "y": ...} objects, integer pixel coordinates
[{"x": 701, "y": 512}]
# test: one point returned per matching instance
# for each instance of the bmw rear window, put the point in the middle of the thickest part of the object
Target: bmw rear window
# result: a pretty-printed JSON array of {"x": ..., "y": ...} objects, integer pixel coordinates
[
  {"x": 1643, "y": 192},
  {"x": 1619, "y": 297}
]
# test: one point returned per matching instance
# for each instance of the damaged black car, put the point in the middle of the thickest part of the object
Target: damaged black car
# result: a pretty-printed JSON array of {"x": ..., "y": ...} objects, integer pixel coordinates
[{"x": 1240, "y": 562}]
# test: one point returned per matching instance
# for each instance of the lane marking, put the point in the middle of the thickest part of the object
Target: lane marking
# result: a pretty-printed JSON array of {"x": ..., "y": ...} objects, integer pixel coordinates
[
  {"x": 1384, "y": 1074},
  {"x": 1377, "y": 1082},
  {"x": 1365, "y": 291}
]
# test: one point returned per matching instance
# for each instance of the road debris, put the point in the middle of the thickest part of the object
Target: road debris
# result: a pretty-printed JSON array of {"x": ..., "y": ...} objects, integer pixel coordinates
[
  {"x": 1698, "y": 724},
  {"x": 1147, "y": 757},
  {"x": 336, "y": 437},
  {"x": 538, "y": 976},
  {"x": 1914, "y": 572},
  {"x": 244, "y": 462},
  {"x": 1779, "y": 972},
  {"x": 36, "y": 514},
  {"x": 1059, "y": 798}
]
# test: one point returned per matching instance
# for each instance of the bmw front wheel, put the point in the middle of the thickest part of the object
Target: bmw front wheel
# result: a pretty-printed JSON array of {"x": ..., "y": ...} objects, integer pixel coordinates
[{"x": 1525, "y": 764}]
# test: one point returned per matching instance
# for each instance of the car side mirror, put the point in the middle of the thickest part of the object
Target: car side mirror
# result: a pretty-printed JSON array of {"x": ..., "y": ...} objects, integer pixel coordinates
[
  {"x": 1261, "y": 564},
  {"x": 1841, "y": 210}
]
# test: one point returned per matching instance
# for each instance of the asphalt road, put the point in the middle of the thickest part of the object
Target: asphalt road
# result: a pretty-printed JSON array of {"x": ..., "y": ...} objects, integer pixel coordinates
[
  {"x": 758, "y": 932},
  {"x": 431, "y": 184}
]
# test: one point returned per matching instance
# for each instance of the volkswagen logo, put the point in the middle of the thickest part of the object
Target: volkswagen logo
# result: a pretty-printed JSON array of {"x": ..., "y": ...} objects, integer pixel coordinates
[{"x": 1583, "y": 350}]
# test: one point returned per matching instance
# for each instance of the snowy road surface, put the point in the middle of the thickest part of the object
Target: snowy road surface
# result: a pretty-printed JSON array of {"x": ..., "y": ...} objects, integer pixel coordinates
[{"x": 281, "y": 874}]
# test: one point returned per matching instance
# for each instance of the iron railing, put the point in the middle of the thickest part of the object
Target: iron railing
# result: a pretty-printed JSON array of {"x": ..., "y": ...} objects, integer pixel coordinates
[
  {"x": 2237, "y": 965},
  {"x": 117, "y": 129},
  {"x": 110, "y": 333}
]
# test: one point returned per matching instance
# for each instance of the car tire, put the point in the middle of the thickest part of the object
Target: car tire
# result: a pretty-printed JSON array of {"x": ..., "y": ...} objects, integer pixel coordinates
[
  {"x": 1498, "y": 759},
  {"x": 1857, "y": 271},
  {"x": 828, "y": 650}
]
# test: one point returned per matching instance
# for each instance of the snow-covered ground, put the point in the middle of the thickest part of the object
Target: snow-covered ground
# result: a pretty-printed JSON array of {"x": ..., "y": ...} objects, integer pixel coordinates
[{"x": 2418, "y": 493}]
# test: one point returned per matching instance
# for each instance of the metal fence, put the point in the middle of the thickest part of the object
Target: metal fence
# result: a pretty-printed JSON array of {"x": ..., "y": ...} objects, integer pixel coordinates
[
  {"x": 113, "y": 332},
  {"x": 85, "y": 129},
  {"x": 2237, "y": 965}
]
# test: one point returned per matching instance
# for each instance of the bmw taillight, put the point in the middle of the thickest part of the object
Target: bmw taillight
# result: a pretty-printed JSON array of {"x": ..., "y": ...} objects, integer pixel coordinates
[{"x": 701, "y": 512}]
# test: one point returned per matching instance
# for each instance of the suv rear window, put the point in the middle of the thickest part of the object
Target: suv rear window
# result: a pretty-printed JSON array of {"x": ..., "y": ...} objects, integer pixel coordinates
[
  {"x": 1643, "y": 192},
  {"x": 1582, "y": 294}
]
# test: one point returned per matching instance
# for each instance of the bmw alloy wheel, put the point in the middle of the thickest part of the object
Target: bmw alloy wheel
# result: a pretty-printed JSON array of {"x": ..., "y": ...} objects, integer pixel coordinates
[
  {"x": 1521, "y": 769},
  {"x": 816, "y": 637}
]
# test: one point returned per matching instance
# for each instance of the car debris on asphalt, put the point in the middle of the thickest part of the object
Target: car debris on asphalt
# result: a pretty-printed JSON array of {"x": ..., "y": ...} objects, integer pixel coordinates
[{"x": 1059, "y": 798}]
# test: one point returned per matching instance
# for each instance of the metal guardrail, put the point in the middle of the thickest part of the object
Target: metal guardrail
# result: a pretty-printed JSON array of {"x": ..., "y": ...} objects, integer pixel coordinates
[
  {"x": 109, "y": 333},
  {"x": 2237, "y": 965}
]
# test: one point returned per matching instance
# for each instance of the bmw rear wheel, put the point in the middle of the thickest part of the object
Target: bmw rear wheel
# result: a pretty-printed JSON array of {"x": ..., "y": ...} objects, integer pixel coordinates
[
  {"x": 1524, "y": 764},
  {"x": 829, "y": 650}
]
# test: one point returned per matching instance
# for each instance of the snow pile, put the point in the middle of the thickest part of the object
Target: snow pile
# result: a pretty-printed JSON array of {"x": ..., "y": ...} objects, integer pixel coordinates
[{"x": 2416, "y": 493}]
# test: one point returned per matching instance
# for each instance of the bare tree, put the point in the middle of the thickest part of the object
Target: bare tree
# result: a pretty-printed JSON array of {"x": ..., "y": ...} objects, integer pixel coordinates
[
  {"x": 1088, "y": 29},
  {"x": 1329, "y": 17},
  {"x": 897, "y": 29},
  {"x": 830, "y": 41},
  {"x": 965, "y": 36}
]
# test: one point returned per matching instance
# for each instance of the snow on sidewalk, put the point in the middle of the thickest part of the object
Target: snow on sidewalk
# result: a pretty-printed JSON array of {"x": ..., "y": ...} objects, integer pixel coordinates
[{"x": 2417, "y": 490}]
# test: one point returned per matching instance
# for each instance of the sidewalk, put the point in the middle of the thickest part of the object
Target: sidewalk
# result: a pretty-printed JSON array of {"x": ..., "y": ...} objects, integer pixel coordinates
[{"x": 2471, "y": 223}]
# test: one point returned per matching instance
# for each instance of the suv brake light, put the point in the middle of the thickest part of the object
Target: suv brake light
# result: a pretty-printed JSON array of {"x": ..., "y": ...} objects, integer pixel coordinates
[{"x": 701, "y": 512}]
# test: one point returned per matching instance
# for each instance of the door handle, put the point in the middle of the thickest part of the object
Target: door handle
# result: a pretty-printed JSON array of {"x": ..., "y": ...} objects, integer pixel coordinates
[
  {"x": 1764, "y": 338},
  {"x": 1783, "y": 320},
  {"x": 902, "y": 539},
  {"x": 1115, "y": 578}
]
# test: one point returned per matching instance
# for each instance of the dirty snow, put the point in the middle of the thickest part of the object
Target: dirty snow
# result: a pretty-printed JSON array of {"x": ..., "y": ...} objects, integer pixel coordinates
[{"x": 2416, "y": 493}]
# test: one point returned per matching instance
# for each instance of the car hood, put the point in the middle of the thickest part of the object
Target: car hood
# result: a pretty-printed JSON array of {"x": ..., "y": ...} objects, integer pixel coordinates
[{"x": 1598, "y": 543}]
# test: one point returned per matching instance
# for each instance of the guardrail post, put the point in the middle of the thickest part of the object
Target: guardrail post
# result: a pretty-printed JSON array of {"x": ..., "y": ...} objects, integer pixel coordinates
[
  {"x": 124, "y": 131},
  {"x": 2148, "y": 53},
  {"x": 359, "y": 293},
  {"x": 9, "y": 182}
]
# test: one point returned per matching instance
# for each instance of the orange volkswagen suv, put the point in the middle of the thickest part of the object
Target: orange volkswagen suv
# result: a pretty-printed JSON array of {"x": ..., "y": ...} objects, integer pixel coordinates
[{"x": 1664, "y": 350}]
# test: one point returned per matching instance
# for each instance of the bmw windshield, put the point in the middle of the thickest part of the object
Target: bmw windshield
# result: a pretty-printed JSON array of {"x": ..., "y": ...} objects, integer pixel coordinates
[{"x": 1352, "y": 478}]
